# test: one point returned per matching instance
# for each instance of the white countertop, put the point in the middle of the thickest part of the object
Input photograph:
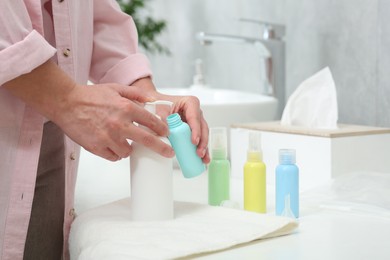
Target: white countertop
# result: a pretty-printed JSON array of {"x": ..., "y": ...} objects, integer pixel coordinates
[{"x": 324, "y": 233}]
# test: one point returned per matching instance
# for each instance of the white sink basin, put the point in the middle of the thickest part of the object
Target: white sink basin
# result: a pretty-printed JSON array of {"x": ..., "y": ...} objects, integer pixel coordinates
[{"x": 223, "y": 107}]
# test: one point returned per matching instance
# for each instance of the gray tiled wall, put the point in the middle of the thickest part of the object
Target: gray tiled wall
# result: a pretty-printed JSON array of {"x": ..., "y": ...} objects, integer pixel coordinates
[
  {"x": 352, "y": 37},
  {"x": 341, "y": 35},
  {"x": 382, "y": 103}
]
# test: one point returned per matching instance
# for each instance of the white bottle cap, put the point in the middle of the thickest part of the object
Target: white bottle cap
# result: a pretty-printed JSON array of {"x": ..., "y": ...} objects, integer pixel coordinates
[
  {"x": 287, "y": 156},
  {"x": 254, "y": 141},
  {"x": 218, "y": 136},
  {"x": 254, "y": 146}
]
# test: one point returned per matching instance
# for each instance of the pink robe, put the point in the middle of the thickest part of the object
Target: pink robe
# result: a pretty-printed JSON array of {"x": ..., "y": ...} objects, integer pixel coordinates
[{"x": 94, "y": 40}]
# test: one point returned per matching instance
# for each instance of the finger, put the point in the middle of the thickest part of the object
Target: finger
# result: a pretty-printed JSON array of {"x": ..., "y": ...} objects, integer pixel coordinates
[
  {"x": 149, "y": 120},
  {"x": 163, "y": 111},
  {"x": 121, "y": 149},
  {"x": 113, "y": 156},
  {"x": 204, "y": 140},
  {"x": 105, "y": 153},
  {"x": 135, "y": 94},
  {"x": 193, "y": 119},
  {"x": 206, "y": 158},
  {"x": 149, "y": 140},
  {"x": 188, "y": 108}
]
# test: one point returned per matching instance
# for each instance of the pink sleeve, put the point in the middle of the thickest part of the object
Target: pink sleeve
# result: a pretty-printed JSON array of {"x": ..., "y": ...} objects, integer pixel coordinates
[
  {"x": 115, "y": 56},
  {"x": 21, "y": 47}
]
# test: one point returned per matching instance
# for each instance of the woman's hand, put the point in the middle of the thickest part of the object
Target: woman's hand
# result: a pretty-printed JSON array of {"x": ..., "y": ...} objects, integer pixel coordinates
[
  {"x": 189, "y": 109},
  {"x": 101, "y": 119}
]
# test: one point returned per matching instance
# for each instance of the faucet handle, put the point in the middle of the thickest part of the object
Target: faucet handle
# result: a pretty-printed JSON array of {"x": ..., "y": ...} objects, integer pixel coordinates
[{"x": 270, "y": 31}]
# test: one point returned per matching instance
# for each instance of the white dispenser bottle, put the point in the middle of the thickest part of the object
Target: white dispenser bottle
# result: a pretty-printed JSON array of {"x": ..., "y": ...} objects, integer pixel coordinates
[{"x": 151, "y": 181}]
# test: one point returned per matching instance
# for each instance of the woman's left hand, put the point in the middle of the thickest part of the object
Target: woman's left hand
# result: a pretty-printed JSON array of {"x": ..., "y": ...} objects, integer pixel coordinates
[{"x": 188, "y": 107}]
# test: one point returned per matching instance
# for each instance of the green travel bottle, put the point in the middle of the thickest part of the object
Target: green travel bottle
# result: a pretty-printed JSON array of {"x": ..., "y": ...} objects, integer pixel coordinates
[{"x": 219, "y": 167}]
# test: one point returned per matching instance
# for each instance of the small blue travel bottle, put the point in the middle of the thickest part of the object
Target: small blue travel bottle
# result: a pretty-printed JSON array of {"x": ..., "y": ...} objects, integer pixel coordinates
[
  {"x": 287, "y": 185},
  {"x": 180, "y": 138}
]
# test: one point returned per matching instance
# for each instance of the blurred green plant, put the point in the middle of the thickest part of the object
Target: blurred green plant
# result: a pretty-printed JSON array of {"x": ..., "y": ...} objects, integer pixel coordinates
[{"x": 148, "y": 28}]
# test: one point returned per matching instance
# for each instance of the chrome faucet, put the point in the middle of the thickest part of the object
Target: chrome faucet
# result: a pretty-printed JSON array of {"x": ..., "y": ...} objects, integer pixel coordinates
[{"x": 271, "y": 49}]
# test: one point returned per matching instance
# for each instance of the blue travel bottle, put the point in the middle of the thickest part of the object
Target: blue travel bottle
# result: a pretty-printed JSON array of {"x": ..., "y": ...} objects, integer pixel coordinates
[
  {"x": 287, "y": 185},
  {"x": 190, "y": 163}
]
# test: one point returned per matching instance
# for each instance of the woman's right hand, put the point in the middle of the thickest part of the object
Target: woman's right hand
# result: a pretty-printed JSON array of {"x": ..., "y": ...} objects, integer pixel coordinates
[{"x": 101, "y": 118}]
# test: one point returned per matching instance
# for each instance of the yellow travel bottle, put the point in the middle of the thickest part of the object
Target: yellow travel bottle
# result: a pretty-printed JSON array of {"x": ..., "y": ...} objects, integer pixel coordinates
[{"x": 254, "y": 176}]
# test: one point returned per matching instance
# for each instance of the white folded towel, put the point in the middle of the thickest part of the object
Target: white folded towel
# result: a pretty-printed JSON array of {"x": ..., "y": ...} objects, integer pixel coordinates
[{"x": 107, "y": 232}]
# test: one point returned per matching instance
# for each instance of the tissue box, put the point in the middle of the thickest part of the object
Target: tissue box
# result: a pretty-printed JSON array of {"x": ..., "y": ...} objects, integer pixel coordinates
[{"x": 320, "y": 154}]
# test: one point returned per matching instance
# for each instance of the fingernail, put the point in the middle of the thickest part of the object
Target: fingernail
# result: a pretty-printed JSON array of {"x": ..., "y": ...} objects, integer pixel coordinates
[
  {"x": 171, "y": 153},
  {"x": 197, "y": 140}
]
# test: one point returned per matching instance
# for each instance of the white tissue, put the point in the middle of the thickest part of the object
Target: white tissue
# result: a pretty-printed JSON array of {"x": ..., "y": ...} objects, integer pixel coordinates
[{"x": 314, "y": 103}]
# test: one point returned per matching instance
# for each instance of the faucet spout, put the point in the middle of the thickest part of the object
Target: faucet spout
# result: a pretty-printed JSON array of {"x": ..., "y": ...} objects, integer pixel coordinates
[
  {"x": 208, "y": 38},
  {"x": 271, "y": 50}
]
